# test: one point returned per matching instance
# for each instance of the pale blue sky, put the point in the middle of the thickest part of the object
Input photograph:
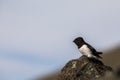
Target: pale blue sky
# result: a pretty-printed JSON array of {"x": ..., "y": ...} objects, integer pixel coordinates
[{"x": 36, "y": 35}]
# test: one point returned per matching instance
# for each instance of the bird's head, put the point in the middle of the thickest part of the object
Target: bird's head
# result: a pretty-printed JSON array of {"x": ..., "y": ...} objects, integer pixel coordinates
[{"x": 79, "y": 41}]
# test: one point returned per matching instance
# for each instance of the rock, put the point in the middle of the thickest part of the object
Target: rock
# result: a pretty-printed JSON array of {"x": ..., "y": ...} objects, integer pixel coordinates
[{"x": 83, "y": 68}]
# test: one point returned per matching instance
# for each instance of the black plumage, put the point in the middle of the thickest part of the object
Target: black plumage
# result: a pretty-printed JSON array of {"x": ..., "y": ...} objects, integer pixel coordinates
[{"x": 80, "y": 42}]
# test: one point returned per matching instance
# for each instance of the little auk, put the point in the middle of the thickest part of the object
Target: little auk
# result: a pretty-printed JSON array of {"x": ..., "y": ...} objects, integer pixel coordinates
[{"x": 86, "y": 49}]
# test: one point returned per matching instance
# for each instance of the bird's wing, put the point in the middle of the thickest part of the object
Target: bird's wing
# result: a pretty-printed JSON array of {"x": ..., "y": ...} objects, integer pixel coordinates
[
  {"x": 91, "y": 48},
  {"x": 94, "y": 52}
]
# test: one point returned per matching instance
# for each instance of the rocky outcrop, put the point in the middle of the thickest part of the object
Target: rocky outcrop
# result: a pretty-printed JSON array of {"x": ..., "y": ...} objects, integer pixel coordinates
[{"x": 84, "y": 68}]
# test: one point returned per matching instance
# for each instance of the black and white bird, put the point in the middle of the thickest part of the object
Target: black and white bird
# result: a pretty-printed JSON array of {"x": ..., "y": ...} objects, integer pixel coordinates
[{"x": 86, "y": 49}]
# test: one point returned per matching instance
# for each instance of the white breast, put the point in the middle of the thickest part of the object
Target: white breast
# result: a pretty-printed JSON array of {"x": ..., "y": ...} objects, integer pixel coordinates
[{"x": 85, "y": 51}]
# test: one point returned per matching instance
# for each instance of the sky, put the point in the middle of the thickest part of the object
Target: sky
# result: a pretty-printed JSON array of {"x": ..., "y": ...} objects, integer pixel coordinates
[{"x": 36, "y": 36}]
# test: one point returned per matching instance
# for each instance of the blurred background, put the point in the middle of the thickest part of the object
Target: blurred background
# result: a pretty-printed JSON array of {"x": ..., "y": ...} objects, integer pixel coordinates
[{"x": 36, "y": 35}]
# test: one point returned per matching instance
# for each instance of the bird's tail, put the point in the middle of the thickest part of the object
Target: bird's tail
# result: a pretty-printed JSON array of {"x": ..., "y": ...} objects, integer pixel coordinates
[{"x": 99, "y": 53}]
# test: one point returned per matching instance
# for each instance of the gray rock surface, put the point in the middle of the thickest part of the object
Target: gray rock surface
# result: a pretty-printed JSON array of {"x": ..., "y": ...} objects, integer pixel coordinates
[{"x": 84, "y": 68}]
